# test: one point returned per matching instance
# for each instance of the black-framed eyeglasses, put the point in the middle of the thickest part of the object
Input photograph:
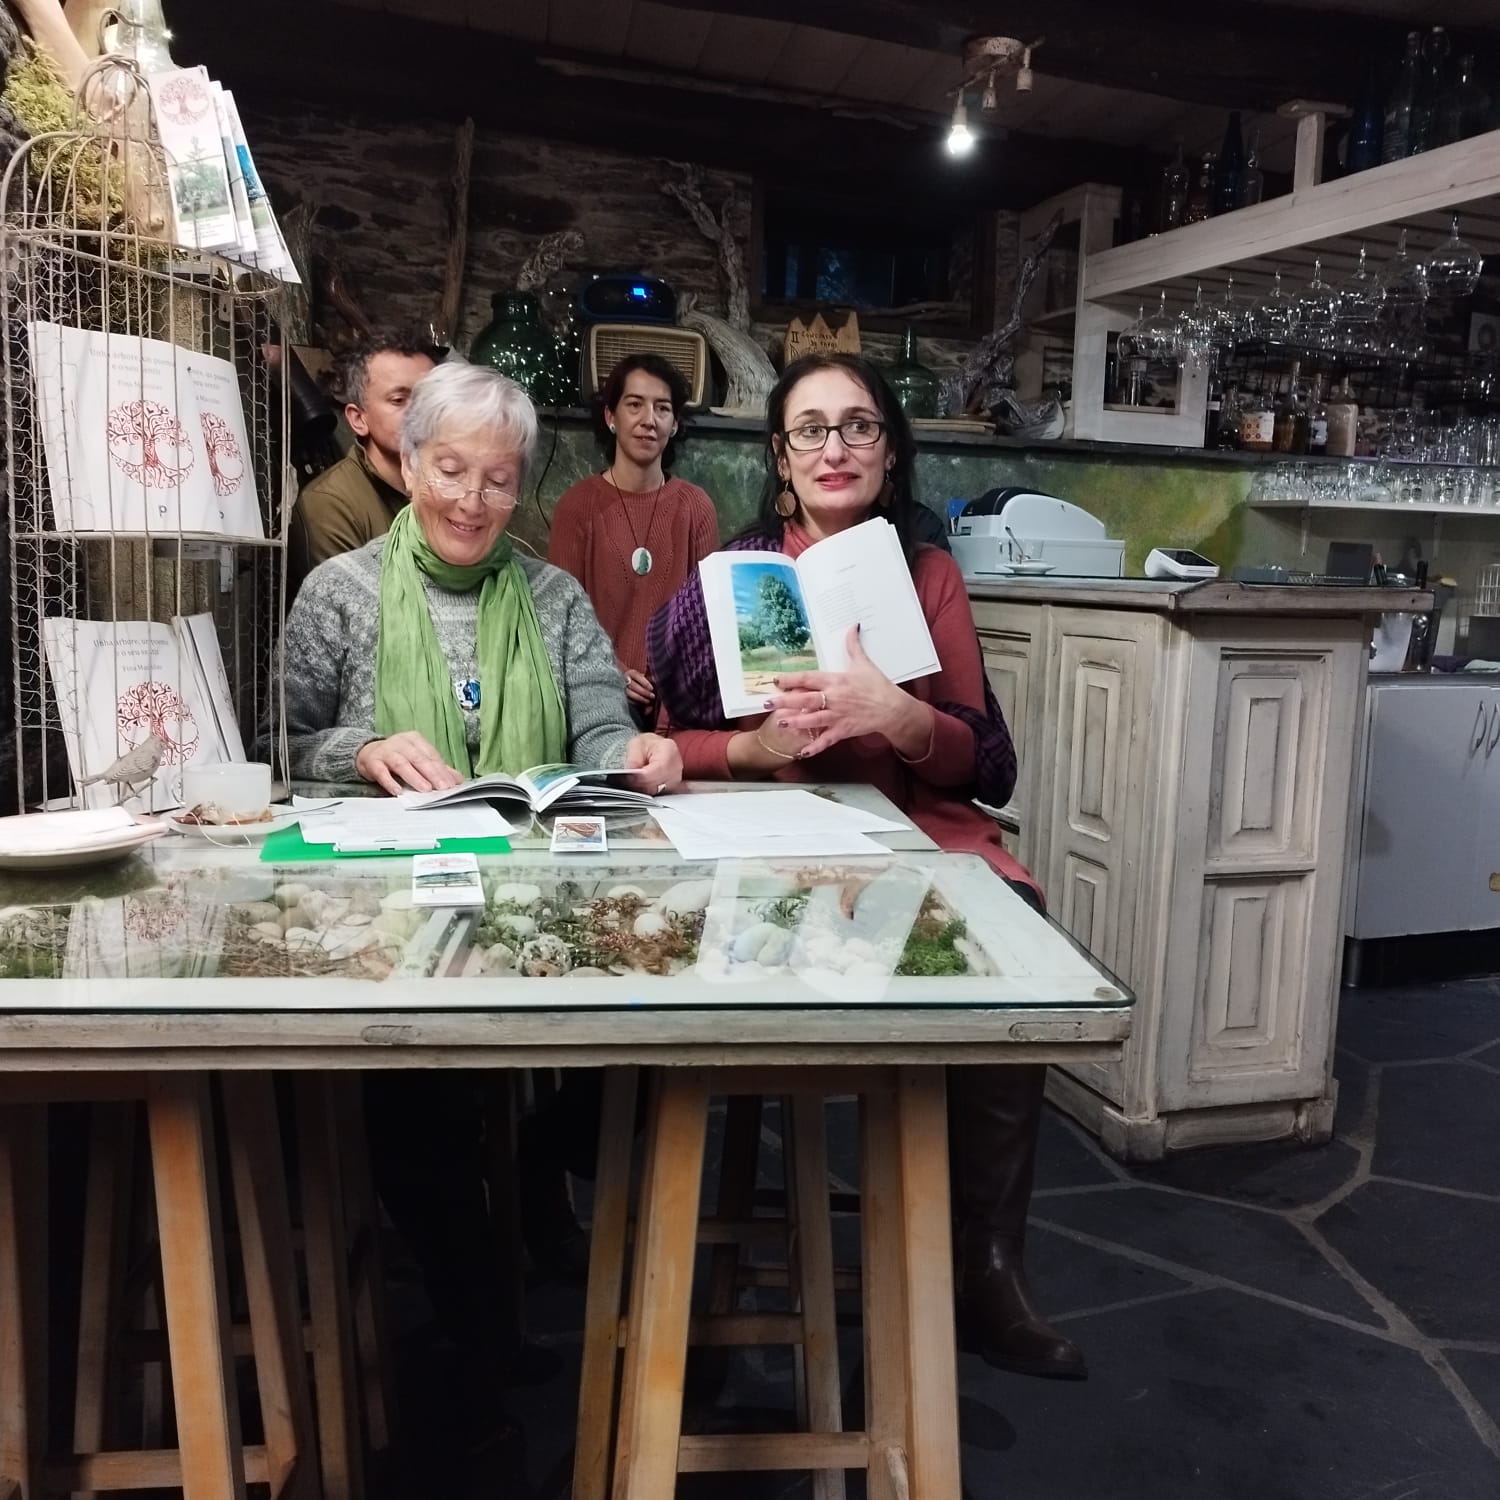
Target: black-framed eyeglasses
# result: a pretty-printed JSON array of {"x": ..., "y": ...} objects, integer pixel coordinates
[{"x": 857, "y": 432}]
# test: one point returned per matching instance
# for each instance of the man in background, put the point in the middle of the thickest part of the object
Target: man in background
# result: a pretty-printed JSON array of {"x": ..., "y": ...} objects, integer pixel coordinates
[{"x": 355, "y": 500}]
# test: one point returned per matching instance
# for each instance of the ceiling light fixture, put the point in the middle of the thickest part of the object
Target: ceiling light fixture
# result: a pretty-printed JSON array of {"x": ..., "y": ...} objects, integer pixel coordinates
[{"x": 960, "y": 138}]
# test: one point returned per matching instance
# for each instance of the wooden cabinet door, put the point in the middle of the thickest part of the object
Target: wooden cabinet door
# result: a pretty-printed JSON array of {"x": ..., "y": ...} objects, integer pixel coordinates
[
  {"x": 1010, "y": 665},
  {"x": 1100, "y": 671}
]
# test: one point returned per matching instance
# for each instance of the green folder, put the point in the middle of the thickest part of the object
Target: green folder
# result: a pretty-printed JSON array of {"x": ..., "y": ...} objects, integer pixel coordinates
[{"x": 287, "y": 847}]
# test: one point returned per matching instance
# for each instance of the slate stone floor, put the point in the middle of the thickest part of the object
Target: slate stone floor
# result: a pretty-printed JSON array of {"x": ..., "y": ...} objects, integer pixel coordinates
[{"x": 1261, "y": 1323}]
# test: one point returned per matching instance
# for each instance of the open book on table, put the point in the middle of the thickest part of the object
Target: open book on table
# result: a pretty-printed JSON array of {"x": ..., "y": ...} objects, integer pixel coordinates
[
  {"x": 771, "y": 616},
  {"x": 559, "y": 788}
]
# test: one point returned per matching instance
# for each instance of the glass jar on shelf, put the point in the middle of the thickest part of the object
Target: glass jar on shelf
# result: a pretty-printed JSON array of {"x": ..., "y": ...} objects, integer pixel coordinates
[
  {"x": 916, "y": 387},
  {"x": 1257, "y": 422},
  {"x": 516, "y": 343}
]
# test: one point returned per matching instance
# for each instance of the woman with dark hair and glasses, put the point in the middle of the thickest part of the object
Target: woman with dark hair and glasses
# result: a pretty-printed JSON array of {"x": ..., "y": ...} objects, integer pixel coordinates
[
  {"x": 632, "y": 534},
  {"x": 839, "y": 451}
]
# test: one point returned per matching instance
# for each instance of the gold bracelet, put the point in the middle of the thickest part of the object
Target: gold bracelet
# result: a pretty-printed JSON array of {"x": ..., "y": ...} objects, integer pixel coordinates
[{"x": 771, "y": 749}]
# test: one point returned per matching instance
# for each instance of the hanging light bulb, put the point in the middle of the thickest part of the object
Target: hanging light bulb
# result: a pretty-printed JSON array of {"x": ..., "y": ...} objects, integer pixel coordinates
[
  {"x": 1024, "y": 76},
  {"x": 960, "y": 138},
  {"x": 989, "y": 100}
]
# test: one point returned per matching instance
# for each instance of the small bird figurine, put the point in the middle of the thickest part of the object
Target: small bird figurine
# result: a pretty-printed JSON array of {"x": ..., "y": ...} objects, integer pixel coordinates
[{"x": 132, "y": 770}]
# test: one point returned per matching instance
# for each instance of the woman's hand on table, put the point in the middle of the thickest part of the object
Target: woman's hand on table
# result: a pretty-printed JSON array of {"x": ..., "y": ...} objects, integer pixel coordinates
[
  {"x": 836, "y": 706},
  {"x": 405, "y": 762},
  {"x": 638, "y": 687},
  {"x": 656, "y": 761}
]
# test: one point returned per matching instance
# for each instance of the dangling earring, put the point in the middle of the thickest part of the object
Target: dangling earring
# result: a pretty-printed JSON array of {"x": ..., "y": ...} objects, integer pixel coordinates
[
  {"x": 887, "y": 493},
  {"x": 786, "y": 501}
]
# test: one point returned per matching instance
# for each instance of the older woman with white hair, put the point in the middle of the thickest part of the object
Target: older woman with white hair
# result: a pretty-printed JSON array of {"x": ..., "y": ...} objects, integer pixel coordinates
[
  {"x": 433, "y": 653},
  {"x": 437, "y": 652}
]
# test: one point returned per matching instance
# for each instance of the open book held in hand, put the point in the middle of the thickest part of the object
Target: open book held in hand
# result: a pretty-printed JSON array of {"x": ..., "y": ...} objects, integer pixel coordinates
[
  {"x": 771, "y": 616},
  {"x": 561, "y": 787}
]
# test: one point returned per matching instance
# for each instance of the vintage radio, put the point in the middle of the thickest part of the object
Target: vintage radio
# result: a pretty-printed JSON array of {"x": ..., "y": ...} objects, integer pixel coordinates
[{"x": 609, "y": 343}]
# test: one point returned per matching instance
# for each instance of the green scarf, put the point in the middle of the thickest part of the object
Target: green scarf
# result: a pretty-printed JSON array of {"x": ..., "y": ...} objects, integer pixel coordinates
[{"x": 520, "y": 710}]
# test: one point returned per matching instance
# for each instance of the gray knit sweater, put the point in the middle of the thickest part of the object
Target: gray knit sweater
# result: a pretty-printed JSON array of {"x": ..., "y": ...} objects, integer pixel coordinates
[{"x": 330, "y": 663}]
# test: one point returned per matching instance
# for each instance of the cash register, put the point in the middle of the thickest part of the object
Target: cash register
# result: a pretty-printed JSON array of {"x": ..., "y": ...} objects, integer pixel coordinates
[{"x": 1016, "y": 533}]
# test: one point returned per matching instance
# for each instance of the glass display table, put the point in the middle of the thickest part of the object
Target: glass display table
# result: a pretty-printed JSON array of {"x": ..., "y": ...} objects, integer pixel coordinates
[{"x": 839, "y": 976}]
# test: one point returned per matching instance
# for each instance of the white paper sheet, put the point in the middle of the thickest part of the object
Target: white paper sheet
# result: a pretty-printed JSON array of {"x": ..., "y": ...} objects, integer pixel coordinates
[
  {"x": 731, "y": 840},
  {"x": 788, "y": 812},
  {"x": 368, "y": 820}
]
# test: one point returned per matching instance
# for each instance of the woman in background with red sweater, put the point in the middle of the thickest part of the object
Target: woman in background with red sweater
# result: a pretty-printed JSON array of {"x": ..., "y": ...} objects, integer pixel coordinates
[
  {"x": 839, "y": 450},
  {"x": 632, "y": 534}
]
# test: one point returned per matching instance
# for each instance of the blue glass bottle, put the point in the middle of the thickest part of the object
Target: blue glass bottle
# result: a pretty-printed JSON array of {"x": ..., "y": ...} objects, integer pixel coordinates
[
  {"x": 1367, "y": 128},
  {"x": 1402, "y": 103},
  {"x": 1230, "y": 167}
]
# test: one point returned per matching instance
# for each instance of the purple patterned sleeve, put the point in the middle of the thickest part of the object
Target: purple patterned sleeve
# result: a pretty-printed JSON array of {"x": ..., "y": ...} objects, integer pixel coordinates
[
  {"x": 680, "y": 650},
  {"x": 994, "y": 752}
]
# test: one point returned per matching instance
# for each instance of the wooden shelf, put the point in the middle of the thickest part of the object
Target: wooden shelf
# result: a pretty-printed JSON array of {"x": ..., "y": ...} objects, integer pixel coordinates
[
  {"x": 1058, "y": 317},
  {"x": 1418, "y": 508},
  {"x": 1329, "y": 221}
]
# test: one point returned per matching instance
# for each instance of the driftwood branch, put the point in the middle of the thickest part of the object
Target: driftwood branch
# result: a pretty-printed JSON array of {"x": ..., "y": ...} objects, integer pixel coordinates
[
  {"x": 458, "y": 233},
  {"x": 552, "y": 253},
  {"x": 85, "y": 20},
  {"x": 747, "y": 367},
  {"x": 688, "y": 191},
  {"x": 954, "y": 308},
  {"x": 989, "y": 366},
  {"x": 48, "y": 28}
]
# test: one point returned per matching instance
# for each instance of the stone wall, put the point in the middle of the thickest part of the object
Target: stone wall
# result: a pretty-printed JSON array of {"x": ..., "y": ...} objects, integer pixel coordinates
[{"x": 379, "y": 186}]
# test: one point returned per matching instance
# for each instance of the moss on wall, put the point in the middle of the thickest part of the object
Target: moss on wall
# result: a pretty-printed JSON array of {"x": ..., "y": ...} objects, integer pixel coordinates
[{"x": 1145, "y": 501}]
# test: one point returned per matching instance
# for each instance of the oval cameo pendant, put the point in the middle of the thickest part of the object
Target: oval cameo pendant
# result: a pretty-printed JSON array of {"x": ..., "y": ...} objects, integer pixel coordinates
[{"x": 640, "y": 560}]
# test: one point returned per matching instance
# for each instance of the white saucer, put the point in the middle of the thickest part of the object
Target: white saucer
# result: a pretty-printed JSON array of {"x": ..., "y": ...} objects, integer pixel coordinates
[
  {"x": 62, "y": 856},
  {"x": 1029, "y": 569},
  {"x": 230, "y": 835}
]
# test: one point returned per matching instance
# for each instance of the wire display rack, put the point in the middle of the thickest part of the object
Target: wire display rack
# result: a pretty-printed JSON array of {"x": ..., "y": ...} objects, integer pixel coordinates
[{"x": 85, "y": 244}]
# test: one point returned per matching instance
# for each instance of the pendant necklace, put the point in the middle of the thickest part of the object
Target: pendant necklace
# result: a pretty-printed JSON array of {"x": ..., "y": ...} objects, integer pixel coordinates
[{"x": 640, "y": 559}]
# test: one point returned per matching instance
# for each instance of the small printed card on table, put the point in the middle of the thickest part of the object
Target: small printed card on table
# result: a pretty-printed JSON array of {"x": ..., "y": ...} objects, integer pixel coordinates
[
  {"x": 575, "y": 835},
  {"x": 446, "y": 880}
]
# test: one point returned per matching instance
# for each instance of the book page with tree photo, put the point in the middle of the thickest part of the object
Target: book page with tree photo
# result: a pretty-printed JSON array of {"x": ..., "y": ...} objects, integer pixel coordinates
[
  {"x": 771, "y": 619},
  {"x": 771, "y": 616}
]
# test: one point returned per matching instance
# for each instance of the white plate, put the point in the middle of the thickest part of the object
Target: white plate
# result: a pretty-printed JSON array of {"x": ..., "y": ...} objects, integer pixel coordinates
[
  {"x": 116, "y": 847},
  {"x": 230, "y": 834},
  {"x": 1029, "y": 569}
]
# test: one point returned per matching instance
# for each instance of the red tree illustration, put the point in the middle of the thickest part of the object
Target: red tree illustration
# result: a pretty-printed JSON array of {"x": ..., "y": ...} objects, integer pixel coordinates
[
  {"x": 225, "y": 461},
  {"x": 183, "y": 100},
  {"x": 149, "y": 444},
  {"x": 157, "y": 708}
]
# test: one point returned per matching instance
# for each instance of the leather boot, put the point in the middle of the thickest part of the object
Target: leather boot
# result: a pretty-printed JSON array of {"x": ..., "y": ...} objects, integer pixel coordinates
[{"x": 994, "y": 1116}]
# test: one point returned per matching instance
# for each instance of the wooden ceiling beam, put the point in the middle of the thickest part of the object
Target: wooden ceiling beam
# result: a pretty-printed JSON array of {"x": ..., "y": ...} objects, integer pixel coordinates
[
  {"x": 1251, "y": 56},
  {"x": 384, "y": 64}
]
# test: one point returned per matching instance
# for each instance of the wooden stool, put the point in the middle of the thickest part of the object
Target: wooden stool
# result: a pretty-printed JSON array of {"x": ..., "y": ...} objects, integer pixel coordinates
[
  {"x": 344, "y": 1330},
  {"x": 210, "y": 1462},
  {"x": 910, "y": 1445}
]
